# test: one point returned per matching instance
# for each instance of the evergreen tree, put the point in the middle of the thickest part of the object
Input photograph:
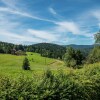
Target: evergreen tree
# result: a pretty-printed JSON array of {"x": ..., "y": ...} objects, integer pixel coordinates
[
  {"x": 97, "y": 38},
  {"x": 26, "y": 65},
  {"x": 69, "y": 57},
  {"x": 94, "y": 55},
  {"x": 79, "y": 57},
  {"x": 72, "y": 57}
]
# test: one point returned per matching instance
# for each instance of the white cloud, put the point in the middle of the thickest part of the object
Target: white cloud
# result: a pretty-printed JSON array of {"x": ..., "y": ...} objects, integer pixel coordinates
[
  {"x": 52, "y": 11},
  {"x": 9, "y": 31},
  {"x": 73, "y": 28},
  {"x": 44, "y": 35},
  {"x": 12, "y": 8},
  {"x": 10, "y": 3},
  {"x": 22, "y": 13},
  {"x": 32, "y": 35},
  {"x": 68, "y": 27},
  {"x": 9, "y": 10},
  {"x": 7, "y": 24},
  {"x": 17, "y": 38},
  {"x": 10, "y": 35},
  {"x": 96, "y": 14}
]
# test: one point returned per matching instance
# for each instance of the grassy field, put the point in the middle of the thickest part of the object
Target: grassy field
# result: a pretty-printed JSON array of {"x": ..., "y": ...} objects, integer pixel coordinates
[
  {"x": 70, "y": 84},
  {"x": 11, "y": 65}
]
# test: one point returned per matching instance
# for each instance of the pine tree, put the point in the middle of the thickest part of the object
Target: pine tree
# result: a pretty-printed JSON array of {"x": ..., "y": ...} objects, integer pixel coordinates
[{"x": 26, "y": 65}]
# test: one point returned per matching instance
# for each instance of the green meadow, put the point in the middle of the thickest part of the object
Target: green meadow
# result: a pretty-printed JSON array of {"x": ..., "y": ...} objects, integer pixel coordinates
[
  {"x": 11, "y": 65},
  {"x": 48, "y": 79}
]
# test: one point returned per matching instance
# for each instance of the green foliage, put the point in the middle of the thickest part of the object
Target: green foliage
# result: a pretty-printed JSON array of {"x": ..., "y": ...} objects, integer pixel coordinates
[
  {"x": 97, "y": 38},
  {"x": 26, "y": 65},
  {"x": 72, "y": 57},
  {"x": 94, "y": 55},
  {"x": 11, "y": 65},
  {"x": 49, "y": 50},
  {"x": 83, "y": 84},
  {"x": 45, "y": 49},
  {"x": 8, "y": 47}
]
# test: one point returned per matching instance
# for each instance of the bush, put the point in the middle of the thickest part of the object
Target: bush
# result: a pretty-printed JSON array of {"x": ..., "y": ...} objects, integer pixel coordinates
[{"x": 83, "y": 84}]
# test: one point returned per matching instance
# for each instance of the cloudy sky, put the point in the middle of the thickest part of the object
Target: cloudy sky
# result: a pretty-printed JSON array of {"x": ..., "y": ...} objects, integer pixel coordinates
[{"x": 55, "y": 21}]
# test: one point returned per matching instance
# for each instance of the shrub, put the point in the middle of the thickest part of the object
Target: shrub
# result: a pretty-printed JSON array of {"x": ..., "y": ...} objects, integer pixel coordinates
[
  {"x": 94, "y": 55},
  {"x": 83, "y": 84}
]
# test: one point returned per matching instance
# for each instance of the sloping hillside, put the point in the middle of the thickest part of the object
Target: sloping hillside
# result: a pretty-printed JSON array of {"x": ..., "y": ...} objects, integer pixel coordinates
[
  {"x": 11, "y": 65},
  {"x": 49, "y": 50}
]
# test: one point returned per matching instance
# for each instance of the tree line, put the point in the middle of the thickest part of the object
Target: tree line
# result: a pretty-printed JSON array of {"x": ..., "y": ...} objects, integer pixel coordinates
[
  {"x": 75, "y": 58},
  {"x": 45, "y": 49}
]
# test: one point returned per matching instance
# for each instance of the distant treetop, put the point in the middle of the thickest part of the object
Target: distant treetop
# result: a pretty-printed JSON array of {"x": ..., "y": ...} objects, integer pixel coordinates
[{"x": 97, "y": 37}]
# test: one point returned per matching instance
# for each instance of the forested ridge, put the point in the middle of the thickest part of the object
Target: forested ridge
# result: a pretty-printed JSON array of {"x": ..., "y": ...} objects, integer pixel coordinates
[{"x": 45, "y": 49}]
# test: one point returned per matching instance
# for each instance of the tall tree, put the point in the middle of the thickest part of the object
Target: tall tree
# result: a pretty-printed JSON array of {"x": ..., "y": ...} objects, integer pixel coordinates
[
  {"x": 69, "y": 57},
  {"x": 97, "y": 37},
  {"x": 94, "y": 55},
  {"x": 72, "y": 57}
]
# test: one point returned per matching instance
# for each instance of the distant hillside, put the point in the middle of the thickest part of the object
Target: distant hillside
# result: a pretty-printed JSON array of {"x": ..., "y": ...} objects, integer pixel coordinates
[
  {"x": 48, "y": 46},
  {"x": 79, "y": 46},
  {"x": 45, "y": 49},
  {"x": 85, "y": 49},
  {"x": 48, "y": 49}
]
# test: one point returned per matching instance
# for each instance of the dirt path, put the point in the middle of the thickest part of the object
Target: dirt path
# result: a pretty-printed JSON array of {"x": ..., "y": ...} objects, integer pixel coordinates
[{"x": 56, "y": 63}]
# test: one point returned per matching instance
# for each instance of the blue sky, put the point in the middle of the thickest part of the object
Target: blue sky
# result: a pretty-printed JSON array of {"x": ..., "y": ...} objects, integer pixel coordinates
[{"x": 55, "y": 21}]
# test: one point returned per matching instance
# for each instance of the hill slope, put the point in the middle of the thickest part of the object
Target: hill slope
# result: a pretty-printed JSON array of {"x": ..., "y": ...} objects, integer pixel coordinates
[
  {"x": 45, "y": 49},
  {"x": 49, "y": 50},
  {"x": 81, "y": 46},
  {"x": 11, "y": 65}
]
